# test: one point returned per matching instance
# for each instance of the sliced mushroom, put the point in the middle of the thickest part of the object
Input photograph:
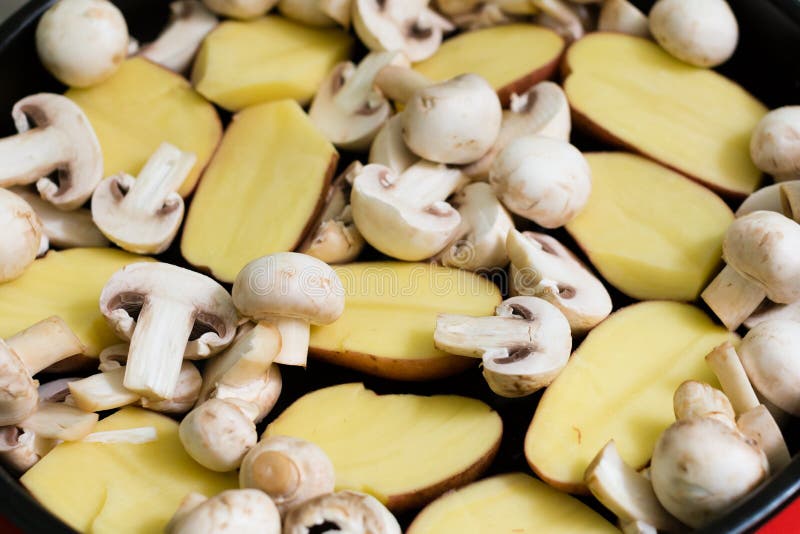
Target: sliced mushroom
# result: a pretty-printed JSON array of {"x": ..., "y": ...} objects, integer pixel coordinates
[
  {"x": 405, "y": 215},
  {"x": 781, "y": 198},
  {"x": 59, "y": 421},
  {"x": 175, "y": 48},
  {"x": 143, "y": 214},
  {"x": 291, "y": 291},
  {"x": 762, "y": 251},
  {"x": 166, "y": 312},
  {"x": 322, "y": 13},
  {"x": 695, "y": 399},
  {"x": 218, "y": 434},
  {"x": 240, "y": 9},
  {"x": 82, "y": 42},
  {"x": 230, "y": 512},
  {"x": 21, "y": 237},
  {"x": 623, "y": 17},
  {"x": 61, "y": 141},
  {"x": 545, "y": 180},
  {"x": 523, "y": 347},
  {"x": 348, "y": 511},
  {"x": 410, "y": 27},
  {"x": 775, "y": 144},
  {"x": 542, "y": 267},
  {"x": 480, "y": 242},
  {"x": 290, "y": 470},
  {"x": 389, "y": 149}
]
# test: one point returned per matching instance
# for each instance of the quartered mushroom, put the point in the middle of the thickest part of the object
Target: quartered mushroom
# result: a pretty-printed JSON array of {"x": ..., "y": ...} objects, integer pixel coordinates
[
  {"x": 322, "y": 13},
  {"x": 144, "y": 214},
  {"x": 407, "y": 26},
  {"x": 545, "y": 180},
  {"x": 542, "y": 267},
  {"x": 60, "y": 141},
  {"x": 406, "y": 215},
  {"x": 217, "y": 434},
  {"x": 230, "y": 512},
  {"x": 82, "y": 42},
  {"x": 290, "y": 470},
  {"x": 762, "y": 252},
  {"x": 349, "y": 511},
  {"x": 775, "y": 144},
  {"x": 523, "y": 347},
  {"x": 175, "y": 48},
  {"x": 291, "y": 291},
  {"x": 389, "y": 148},
  {"x": 623, "y": 17},
  {"x": 167, "y": 313},
  {"x": 21, "y": 238},
  {"x": 783, "y": 197},
  {"x": 480, "y": 242},
  {"x": 240, "y": 9}
]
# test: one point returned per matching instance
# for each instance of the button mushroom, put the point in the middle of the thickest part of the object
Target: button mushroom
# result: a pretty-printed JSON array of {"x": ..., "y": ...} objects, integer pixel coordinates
[
  {"x": 82, "y": 42},
  {"x": 545, "y": 180},
  {"x": 291, "y": 291},
  {"x": 322, "y": 13},
  {"x": 230, "y": 512},
  {"x": 389, "y": 149},
  {"x": 623, "y": 17},
  {"x": 166, "y": 312},
  {"x": 695, "y": 399},
  {"x": 290, "y": 470},
  {"x": 21, "y": 237},
  {"x": 762, "y": 251},
  {"x": 61, "y": 141},
  {"x": 405, "y": 215},
  {"x": 143, "y": 214},
  {"x": 542, "y": 267},
  {"x": 700, "y": 32},
  {"x": 218, "y": 434},
  {"x": 775, "y": 144},
  {"x": 523, "y": 347},
  {"x": 190, "y": 21},
  {"x": 348, "y": 511},
  {"x": 240, "y": 9},
  {"x": 783, "y": 197}
]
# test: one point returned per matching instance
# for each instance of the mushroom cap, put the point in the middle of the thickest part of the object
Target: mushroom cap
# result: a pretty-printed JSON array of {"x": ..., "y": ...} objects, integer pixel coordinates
[
  {"x": 545, "y": 180},
  {"x": 241, "y": 511},
  {"x": 701, "y": 467},
  {"x": 700, "y": 32},
  {"x": 456, "y": 121},
  {"x": 130, "y": 288},
  {"x": 22, "y": 235},
  {"x": 775, "y": 144},
  {"x": 769, "y": 198},
  {"x": 698, "y": 399},
  {"x": 350, "y": 511},
  {"x": 218, "y": 434},
  {"x": 81, "y": 167},
  {"x": 18, "y": 391},
  {"x": 289, "y": 284},
  {"x": 764, "y": 247},
  {"x": 240, "y": 9},
  {"x": 769, "y": 355}
]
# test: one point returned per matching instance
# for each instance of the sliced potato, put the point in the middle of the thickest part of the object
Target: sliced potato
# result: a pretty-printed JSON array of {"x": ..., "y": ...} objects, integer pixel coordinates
[
  {"x": 619, "y": 385},
  {"x": 390, "y": 315},
  {"x": 403, "y": 449}
]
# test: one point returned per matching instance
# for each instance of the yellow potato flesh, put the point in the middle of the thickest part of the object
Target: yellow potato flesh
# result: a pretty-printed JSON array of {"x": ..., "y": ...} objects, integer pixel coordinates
[
  {"x": 689, "y": 118},
  {"x": 260, "y": 191},
  {"x": 392, "y": 446},
  {"x": 142, "y": 106},
  {"x": 619, "y": 385},
  {"x": 652, "y": 233},
  {"x": 122, "y": 488},
  {"x": 390, "y": 314},
  {"x": 67, "y": 284},
  {"x": 245, "y": 63},
  {"x": 508, "y": 504}
]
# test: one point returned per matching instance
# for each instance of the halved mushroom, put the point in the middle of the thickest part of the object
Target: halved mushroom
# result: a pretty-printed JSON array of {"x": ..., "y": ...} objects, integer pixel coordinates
[
  {"x": 218, "y": 434},
  {"x": 321, "y": 13},
  {"x": 762, "y": 251},
  {"x": 143, "y": 214},
  {"x": 230, "y": 512},
  {"x": 21, "y": 237},
  {"x": 348, "y": 511},
  {"x": 389, "y": 149},
  {"x": 61, "y": 141},
  {"x": 290, "y": 470},
  {"x": 524, "y": 346},
  {"x": 405, "y": 215},
  {"x": 166, "y": 312},
  {"x": 190, "y": 21},
  {"x": 410, "y": 27},
  {"x": 240, "y": 9},
  {"x": 542, "y": 267},
  {"x": 623, "y": 17},
  {"x": 480, "y": 242},
  {"x": 781, "y": 198},
  {"x": 775, "y": 144}
]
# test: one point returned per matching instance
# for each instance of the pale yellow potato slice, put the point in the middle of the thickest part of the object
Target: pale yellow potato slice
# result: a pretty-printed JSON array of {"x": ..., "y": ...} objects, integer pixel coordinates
[
  {"x": 245, "y": 63},
  {"x": 260, "y": 191},
  {"x": 619, "y": 385},
  {"x": 508, "y": 504},
  {"x": 390, "y": 315},
  {"x": 629, "y": 91},
  {"x": 142, "y": 106},
  {"x": 651, "y": 232},
  {"x": 122, "y": 488},
  {"x": 405, "y": 450},
  {"x": 67, "y": 284}
]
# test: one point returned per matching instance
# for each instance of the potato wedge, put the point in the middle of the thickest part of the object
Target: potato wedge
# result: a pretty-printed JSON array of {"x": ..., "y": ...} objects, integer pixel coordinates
[
  {"x": 390, "y": 315},
  {"x": 405, "y": 450},
  {"x": 619, "y": 385},
  {"x": 507, "y": 504}
]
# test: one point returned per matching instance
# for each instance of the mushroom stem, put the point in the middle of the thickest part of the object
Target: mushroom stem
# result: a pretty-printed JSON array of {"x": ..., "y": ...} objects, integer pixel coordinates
[
  {"x": 725, "y": 364},
  {"x": 177, "y": 45},
  {"x": 352, "y": 95},
  {"x": 103, "y": 391},
  {"x": 474, "y": 336},
  {"x": 45, "y": 343},
  {"x": 790, "y": 199},
  {"x": 759, "y": 425},
  {"x": 732, "y": 297},
  {"x": 400, "y": 83},
  {"x": 163, "y": 174},
  {"x": 295, "y": 335},
  {"x": 29, "y": 156},
  {"x": 433, "y": 183}
]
